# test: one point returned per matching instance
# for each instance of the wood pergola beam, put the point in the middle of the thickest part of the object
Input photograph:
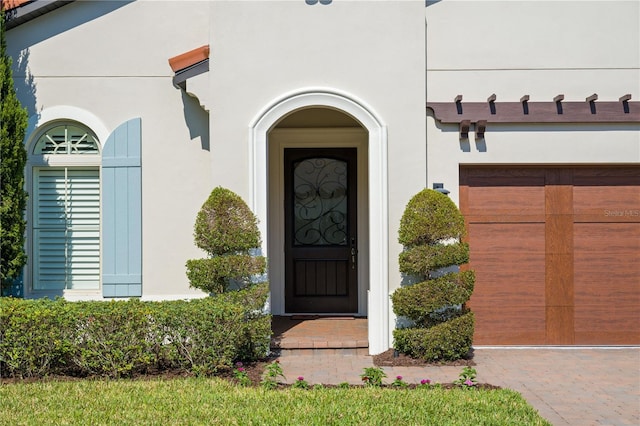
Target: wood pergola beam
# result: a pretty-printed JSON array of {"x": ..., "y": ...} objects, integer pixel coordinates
[{"x": 525, "y": 111}]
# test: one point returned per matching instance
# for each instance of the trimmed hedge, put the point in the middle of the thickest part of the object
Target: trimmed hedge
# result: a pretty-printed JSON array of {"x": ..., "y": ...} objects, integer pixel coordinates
[
  {"x": 216, "y": 274},
  {"x": 441, "y": 328},
  {"x": 445, "y": 341},
  {"x": 421, "y": 300},
  {"x": 35, "y": 337},
  {"x": 421, "y": 260},
  {"x": 125, "y": 338}
]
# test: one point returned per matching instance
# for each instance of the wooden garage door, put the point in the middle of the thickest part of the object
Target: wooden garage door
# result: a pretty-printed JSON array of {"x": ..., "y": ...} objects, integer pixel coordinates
[{"x": 556, "y": 252}]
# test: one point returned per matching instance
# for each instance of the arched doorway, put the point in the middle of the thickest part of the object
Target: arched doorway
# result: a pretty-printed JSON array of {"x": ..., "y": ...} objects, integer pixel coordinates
[{"x": 274, "y": 130}]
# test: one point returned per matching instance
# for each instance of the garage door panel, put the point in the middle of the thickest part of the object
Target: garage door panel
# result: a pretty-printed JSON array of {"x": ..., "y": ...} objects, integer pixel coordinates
[
  {"x": 558, "y": 239},
  {"x": 560, "y": 326},
  {"x": 524, "y": 288},
  {"x": 556, "y": 251},
  {"x": 480, "y": 176},
  {"x": 525, "y": 268},
  {"x": 605, "y": 284},
  {"x": 606, "y": 176},
  {"x": 607, "y": 263},
  {"x": 607, "y": 324},
  {"x": 521, "y": 263},
  {"x": 606, "y": 290},
  {"x": 558, "y": 279},
  {"x": 607, "y": 337},
  {"x": 607, "y": 203},
  {"x": 487, "y": 175},
  {"x": 512, "y": 325},
  {"x": 520, "y": 284},
  {"x": 519, "y": 294},
  {"x": 607, "y": 281},
  {"x": 607, "y": 239},
  {"x": 607, "y": 293},
  {"x": 506, "y": 201},
  {"x": 508, "y": 239}
]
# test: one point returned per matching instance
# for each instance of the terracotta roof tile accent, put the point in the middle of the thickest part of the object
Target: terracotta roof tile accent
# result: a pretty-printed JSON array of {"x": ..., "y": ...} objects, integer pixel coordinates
[
  {"x": 12, "y": 4},
  {"x": 189, "y": 58}
]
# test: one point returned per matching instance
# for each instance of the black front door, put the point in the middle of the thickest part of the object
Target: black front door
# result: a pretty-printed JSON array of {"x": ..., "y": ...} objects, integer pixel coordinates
[{"x": 321, "y": 273}]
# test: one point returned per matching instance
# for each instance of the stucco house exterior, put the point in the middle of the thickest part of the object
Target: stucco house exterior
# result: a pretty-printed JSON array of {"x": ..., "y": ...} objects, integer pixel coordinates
[{"x": 524, "y": 111}]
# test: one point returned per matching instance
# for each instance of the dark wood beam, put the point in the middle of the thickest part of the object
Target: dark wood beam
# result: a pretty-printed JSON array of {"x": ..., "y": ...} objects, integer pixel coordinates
[{"x": 525, "y": 111}]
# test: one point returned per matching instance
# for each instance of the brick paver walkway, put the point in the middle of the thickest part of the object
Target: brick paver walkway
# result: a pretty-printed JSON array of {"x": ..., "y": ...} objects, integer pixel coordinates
[{"x": 575, "y": 386}]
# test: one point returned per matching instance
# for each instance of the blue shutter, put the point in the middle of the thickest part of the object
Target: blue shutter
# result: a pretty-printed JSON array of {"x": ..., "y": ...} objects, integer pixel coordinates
[{"x": 122, "y": 212}]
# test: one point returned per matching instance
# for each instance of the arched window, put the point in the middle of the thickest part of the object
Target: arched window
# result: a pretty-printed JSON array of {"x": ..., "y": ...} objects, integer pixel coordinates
[
  {"x": 66, "y": 139},
  {"x": 65, "y": 196}
]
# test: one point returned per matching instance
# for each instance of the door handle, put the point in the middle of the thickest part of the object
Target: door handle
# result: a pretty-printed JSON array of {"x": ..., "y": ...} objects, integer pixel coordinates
[{"x": 354, "y": 252}]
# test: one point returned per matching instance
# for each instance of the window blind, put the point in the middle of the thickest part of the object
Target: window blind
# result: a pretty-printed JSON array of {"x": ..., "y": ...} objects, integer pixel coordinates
[{"x": 67, "y": 229}]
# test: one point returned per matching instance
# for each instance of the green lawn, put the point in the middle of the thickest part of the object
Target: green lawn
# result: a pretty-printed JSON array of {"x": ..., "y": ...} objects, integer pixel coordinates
[{"x": 195, "y": 401}]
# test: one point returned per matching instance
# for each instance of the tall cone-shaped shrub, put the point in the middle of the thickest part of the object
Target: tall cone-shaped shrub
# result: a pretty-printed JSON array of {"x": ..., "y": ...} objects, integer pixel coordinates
[
  {"x": 442, "y": 328},
  {"x": 227, "y": 230},
  {"x": 13, "y": 157}
]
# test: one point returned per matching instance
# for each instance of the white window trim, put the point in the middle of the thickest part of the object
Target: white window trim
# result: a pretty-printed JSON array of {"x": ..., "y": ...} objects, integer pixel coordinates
[
  {"x": 65, "y": 113},
  {"x": 62, "y": 113}
]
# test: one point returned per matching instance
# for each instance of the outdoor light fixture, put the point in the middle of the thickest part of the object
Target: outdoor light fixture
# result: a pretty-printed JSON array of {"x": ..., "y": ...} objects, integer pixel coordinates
[{"x": 440, "y": 188}]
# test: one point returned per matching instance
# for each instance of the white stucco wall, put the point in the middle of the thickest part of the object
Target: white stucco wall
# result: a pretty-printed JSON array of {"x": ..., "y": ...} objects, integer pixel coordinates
[
  {"x": 514, "y": 47},
  {"x": 541, "y": 49},
  {"x": 110, "y": 59}
]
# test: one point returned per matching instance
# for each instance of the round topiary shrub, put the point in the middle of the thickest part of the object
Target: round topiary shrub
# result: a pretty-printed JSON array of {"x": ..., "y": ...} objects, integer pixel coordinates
[
  {"x": 442, "y": 329},
  {"x": 225, "y": 224},
  {"x": 227, "y": 230},
  {"x": 429, "y": 218}
]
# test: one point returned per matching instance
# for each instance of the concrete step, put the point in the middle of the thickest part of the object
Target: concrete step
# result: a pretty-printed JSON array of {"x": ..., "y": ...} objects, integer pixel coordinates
[{"x": 319, "y": 352}]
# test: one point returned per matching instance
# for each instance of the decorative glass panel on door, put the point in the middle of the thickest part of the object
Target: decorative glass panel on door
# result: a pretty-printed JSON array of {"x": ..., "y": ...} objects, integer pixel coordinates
[{"x": 320, "y": 202}]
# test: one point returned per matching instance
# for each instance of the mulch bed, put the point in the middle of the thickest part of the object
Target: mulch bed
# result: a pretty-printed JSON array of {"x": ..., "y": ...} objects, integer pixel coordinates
[
  {"x": 386, "y": 359},
  {"x": 391, "y": 358}
]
